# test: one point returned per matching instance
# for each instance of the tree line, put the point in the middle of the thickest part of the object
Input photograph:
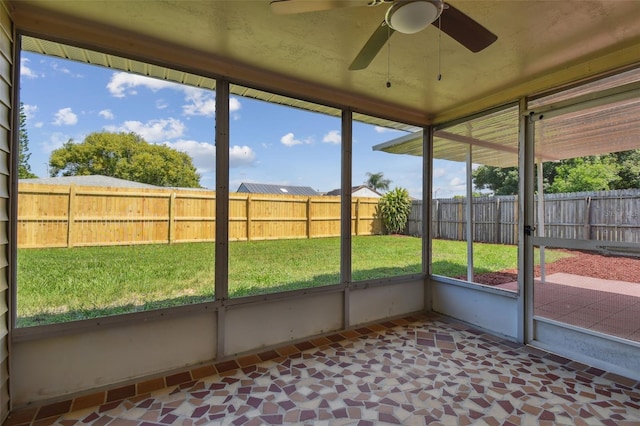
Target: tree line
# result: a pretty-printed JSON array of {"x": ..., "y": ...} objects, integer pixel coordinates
[{"x": 617, "y": 170}]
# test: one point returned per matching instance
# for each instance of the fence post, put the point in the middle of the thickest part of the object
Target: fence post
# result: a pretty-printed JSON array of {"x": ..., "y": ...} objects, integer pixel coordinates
[
  {"x": 172, "y": 214},
  {"x": 71, "y": 216},
  {"x": 436, "y": 228},
  {"x": 357, "y": 226},
  {"x": 587, "y": 219},
  {"x": 515, "y": 219},
  {"x": 248, "y": 209},
  {"x": 497, "y": 222},
  {"x": 460, "y": 215},
  {"x": 309, "y": 217}
]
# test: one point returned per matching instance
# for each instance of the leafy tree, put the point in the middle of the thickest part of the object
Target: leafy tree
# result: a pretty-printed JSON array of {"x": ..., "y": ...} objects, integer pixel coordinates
[
  {"x": 376, "y": 181},
  {"x": 629, "y": 171},
  {"x": 502, "y": 181},
  {"x": 125, "y": 156},
  {"x": 474, "y": 194},
  {"x": 24, "y": 169},
  {"x": 618, "y": 170},
  {"x": 395, "y": 207},
  {"x": 584, "y": 174}
]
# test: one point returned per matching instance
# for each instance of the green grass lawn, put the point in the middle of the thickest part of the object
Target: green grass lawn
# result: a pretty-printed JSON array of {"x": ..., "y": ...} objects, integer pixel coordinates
[{"x": 56, "y": 285}]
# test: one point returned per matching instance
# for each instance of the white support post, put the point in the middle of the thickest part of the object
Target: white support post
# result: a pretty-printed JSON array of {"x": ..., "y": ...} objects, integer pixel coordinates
[
  {"x": 541, "y": 220},
  {"x": 526, "y": 211}
]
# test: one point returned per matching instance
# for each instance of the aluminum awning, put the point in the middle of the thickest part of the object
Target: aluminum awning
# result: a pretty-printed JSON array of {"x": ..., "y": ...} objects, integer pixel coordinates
[{"x": 597, "y": 118}]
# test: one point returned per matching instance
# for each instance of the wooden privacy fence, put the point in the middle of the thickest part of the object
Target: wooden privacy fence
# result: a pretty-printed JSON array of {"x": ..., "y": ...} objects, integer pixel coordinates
[
  {"x": 598, "y": 215},
  {"x": 495, "y": 219},
  {"x": 69, "y": 215}
]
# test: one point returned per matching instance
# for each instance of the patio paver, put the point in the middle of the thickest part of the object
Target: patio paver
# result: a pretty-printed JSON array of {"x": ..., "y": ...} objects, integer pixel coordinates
[{"x": 606, "y": 306}]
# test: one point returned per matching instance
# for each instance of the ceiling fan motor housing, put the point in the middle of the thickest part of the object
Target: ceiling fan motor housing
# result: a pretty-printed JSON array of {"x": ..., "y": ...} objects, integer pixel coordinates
[{"x": 412, "y": 16}]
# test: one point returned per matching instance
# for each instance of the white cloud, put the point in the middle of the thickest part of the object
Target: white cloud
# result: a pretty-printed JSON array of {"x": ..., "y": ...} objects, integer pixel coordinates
[
  {"x": 204, "y": 154},
  {"x": 456, "y": 181},
  {"x": 106, "y": 114},
  {"x": 457, "y": 186},
  {"x": 439, "y": 172},
  {"x": 241, "y": 156},
  {"x": 332, "y": 137},
  {"x": 199, "y": 102},
  {"x": 56, "y": 140},
  {"x": 234, "y": 104},
  {"x": 25, "y": 71},
  {"x": 290, "y": 140},
  {"x": 203, "y": 103},
  {"x": 381, "y": 129},
  {"x": 153, "y": 130},
  {"x": 29, "y": 111},
  {"x": 65, "y": 117},
  {"x": 64, "y": 70},
  {"x": 123, "y": 84}
]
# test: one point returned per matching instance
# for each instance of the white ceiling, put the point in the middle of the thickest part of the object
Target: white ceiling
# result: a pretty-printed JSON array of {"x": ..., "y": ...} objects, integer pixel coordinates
[{"x": 541, "y": 44}]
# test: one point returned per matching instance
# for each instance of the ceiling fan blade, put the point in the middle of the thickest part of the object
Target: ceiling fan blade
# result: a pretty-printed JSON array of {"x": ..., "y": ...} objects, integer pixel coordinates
[
  {"x": 290, "y": 7},
  {"x": 465, "y": 30},
  {"x": 372, "y": 47}
]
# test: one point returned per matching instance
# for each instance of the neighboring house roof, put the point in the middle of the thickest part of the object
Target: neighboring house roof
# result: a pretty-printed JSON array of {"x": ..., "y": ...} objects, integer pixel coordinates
[
  {"x": 362, "y": 190},
  {"x": 261, "y": 188},
  {"x": 91, "y": 180}
]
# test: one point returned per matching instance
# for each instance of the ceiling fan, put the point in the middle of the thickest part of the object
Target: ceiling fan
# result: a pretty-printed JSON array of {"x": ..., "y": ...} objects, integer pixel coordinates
[{"x": 405, "y": 16}]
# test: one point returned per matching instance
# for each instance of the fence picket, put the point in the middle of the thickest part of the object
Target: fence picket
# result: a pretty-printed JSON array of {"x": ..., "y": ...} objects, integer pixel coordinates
[
  {"x": 93, "y": 216},
  {"x": 58, "y": 216},
  {"x": 599, "y": 215}
]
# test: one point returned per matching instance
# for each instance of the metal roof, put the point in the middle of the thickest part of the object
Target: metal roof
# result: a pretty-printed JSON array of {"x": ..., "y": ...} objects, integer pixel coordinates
[
  {"x": 261, "y": 188},
  {"x": 493, "y": 138}
]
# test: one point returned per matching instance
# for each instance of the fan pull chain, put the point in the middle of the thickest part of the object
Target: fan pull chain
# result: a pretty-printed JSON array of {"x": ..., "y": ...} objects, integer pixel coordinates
[
  {"x": 439, "y": 46},
  {"x": 388, "y": 56}
]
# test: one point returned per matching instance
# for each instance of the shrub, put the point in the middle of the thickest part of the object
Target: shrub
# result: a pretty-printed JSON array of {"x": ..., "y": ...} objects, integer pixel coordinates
[{"x": 395, "y": 207}]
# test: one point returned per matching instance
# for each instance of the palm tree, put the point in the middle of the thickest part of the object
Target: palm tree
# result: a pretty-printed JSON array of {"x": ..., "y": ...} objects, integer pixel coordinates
[{"x": 376, "y": 181}]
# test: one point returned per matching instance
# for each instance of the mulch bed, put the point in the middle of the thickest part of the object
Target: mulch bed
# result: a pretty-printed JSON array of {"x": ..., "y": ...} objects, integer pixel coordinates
[{"x": 586, "y": 264}]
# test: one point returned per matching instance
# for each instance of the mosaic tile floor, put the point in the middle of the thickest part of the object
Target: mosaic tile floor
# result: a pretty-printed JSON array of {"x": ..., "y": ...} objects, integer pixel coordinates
[{"x": 413, "y": 371}]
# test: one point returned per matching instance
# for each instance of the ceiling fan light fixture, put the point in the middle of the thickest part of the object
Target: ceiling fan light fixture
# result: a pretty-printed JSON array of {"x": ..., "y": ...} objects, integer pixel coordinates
[{"x": 411, "y": 16}]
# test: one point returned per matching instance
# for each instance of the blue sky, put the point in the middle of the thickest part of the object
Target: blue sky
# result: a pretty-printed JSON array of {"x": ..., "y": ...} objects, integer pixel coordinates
[{"x": 269, "y": 143}]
